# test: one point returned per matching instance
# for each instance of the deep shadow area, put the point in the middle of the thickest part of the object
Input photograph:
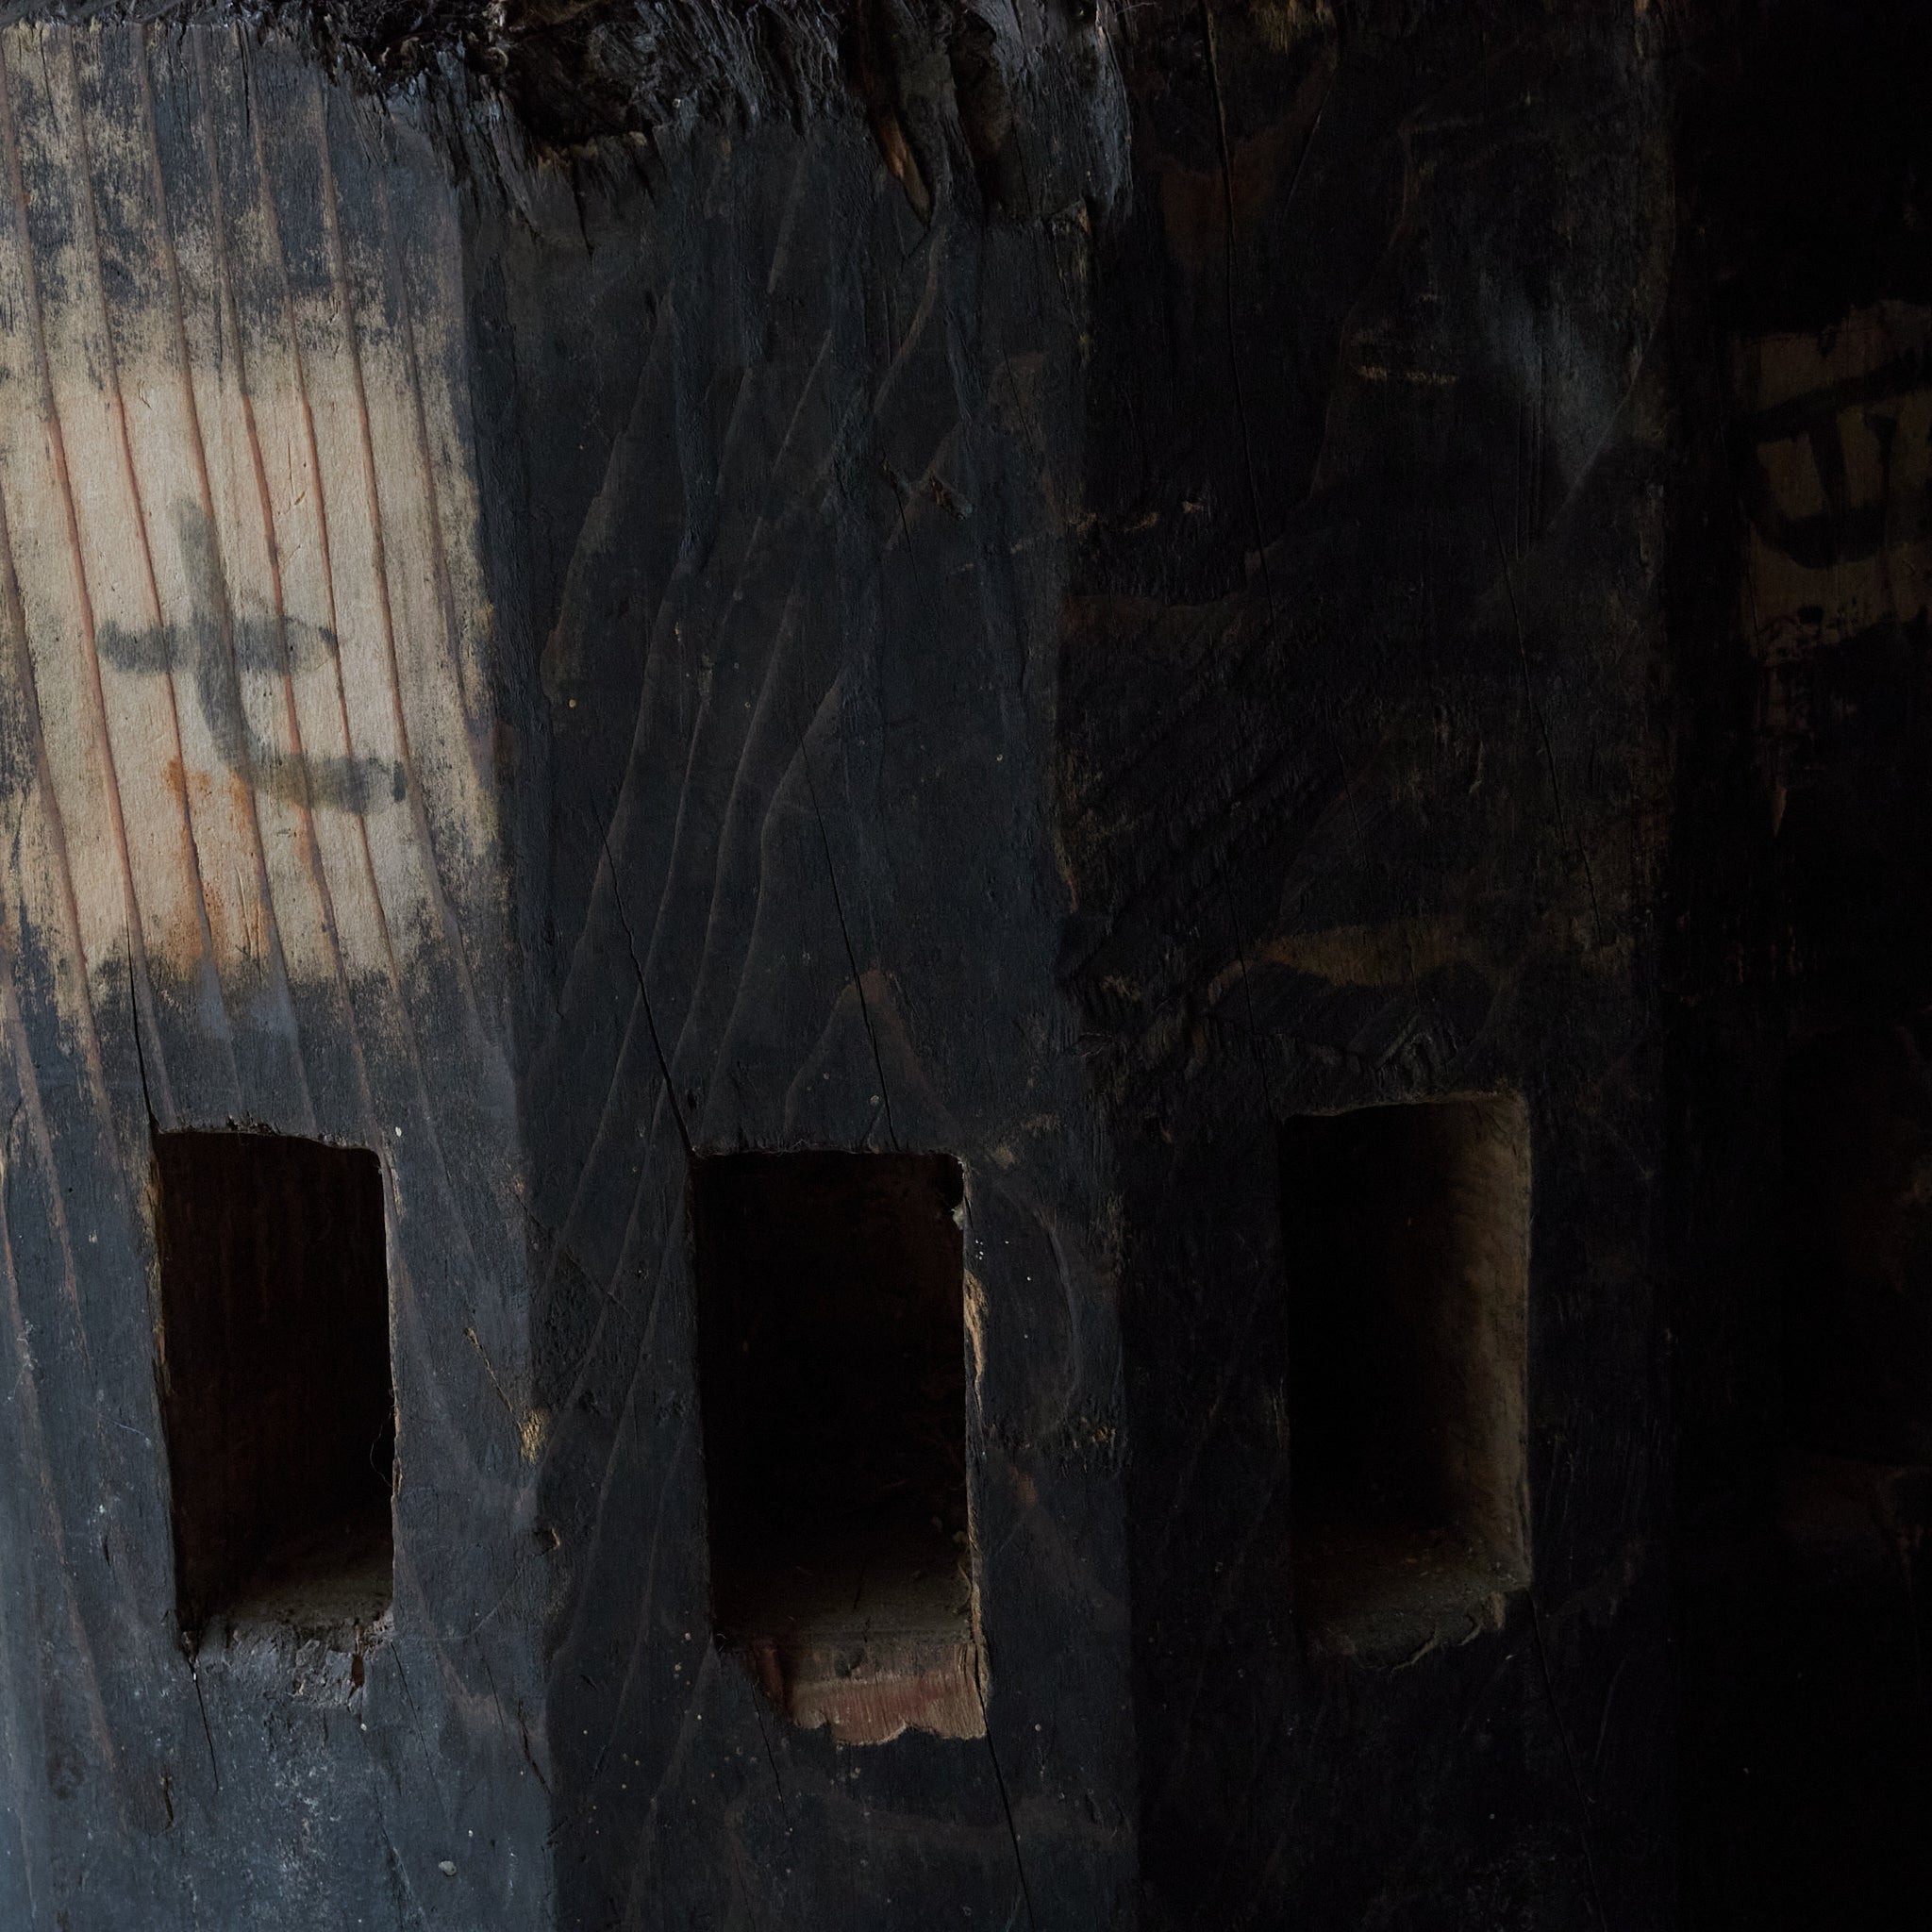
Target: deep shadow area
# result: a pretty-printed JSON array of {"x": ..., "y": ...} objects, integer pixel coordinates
[
  {"x": 1857, "y": 1272},
  {"x": 274, "y": 1378},
  {"x": 1827, "y": 1781},
  {"x": 831, "y": 1340},
  {"x": 1801, "y": 1329},
  {"x": 1406, "y": 1236}
]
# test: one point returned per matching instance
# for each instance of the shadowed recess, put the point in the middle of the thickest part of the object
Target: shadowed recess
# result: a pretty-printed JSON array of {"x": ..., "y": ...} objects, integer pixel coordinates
[
  {"x": 1406, "y": 1232},
  {"x": 1858, "y": 1251},
  {"x": 832, "y": 1374},
  {"x": 275, "y": 1377}
]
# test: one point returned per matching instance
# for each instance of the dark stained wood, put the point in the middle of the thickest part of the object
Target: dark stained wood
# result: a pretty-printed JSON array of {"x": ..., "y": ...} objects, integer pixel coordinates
[
  {"x": 591, "y": 588},
  {"x": 236, "y": 801},
  {"x": 796, "y": 622}
]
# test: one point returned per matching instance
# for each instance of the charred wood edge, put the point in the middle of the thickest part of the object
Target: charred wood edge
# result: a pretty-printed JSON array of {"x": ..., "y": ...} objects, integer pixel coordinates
[{"x": 926, "y": 74}]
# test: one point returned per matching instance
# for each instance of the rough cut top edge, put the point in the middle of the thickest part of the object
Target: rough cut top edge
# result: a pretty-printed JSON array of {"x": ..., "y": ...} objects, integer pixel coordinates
[{"x": 571, "y": 72}]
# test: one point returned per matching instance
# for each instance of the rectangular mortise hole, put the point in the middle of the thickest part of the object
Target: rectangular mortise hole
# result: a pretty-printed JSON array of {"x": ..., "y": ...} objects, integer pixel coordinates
[
  {"x": 832, "y": 1382},
  {"x": 275, "y": 1388},
  {"x": 1406, "y": 1236}
]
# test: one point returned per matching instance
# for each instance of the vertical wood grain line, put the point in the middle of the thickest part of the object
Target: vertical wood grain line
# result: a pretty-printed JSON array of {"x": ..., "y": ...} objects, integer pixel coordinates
[
  {"x": 28, "y": 685},
  {"x": 83, "y": 172},
  {"x": 30, "y": 1390},
  {"x": 445, "y": 593},
  {"x": 224, "y": 616},
  {"x": 339, "y": 273},
  {"x": 37, "y": 1122},
  {"x": 400, "y": 1297},
  {"x": 89, "y": 1393},
  {"x": 229, "y": 321},
  {"x": 137, "y": 943},
  {"x": 299, "y": 363}
]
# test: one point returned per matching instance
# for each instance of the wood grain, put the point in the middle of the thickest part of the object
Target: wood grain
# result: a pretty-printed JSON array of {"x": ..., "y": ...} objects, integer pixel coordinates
[
  {"x": 534, "y": 684},
  {"x": 253, "y": 875}
]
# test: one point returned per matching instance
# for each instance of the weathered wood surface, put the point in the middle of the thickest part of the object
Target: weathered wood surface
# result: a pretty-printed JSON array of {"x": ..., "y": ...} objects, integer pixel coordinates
[
  {"x": 1378, "y": 814},
  {"x": 253, "y": 874},
  {"x": 531, "y": 700},
  {"x": 1060, "y": 592},
  {"x": 793, "y": 495}
]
